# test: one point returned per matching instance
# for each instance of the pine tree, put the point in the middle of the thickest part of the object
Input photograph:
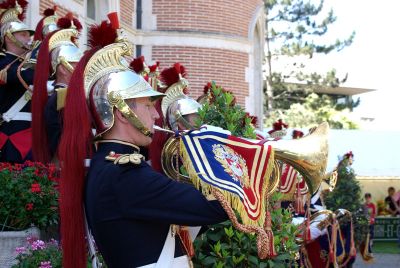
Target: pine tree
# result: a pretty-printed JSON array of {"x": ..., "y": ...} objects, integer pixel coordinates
[
  {"x": 293, "y": 31},
  {"x": 347, "y": 195}
]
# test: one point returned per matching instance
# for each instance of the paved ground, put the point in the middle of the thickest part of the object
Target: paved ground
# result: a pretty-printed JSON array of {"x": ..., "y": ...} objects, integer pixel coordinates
[{"x": 381, "y": 261}]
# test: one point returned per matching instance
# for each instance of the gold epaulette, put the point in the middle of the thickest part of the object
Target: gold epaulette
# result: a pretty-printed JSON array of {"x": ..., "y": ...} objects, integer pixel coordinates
[
  {"x": 61, "y": 95},
  {"x": 121, "y": 159}
]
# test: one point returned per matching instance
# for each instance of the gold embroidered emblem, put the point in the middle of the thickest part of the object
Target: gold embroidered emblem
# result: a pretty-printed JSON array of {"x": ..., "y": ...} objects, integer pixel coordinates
[
  {"x": 233, "y": 164},
  {"x": 121, "y": 159}
]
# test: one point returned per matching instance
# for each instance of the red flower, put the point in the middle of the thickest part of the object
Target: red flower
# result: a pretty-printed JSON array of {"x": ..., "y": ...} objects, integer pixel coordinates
[
  {"x": 29, "y": 206},
  {"x": 35, "y": 188}
]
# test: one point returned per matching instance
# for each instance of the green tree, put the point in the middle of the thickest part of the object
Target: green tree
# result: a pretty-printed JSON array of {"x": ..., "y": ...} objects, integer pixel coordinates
[
  {"x": 294, "y": 30},
  {"x": 315, "y": 110},
  {"x": 347, "y": 195}
]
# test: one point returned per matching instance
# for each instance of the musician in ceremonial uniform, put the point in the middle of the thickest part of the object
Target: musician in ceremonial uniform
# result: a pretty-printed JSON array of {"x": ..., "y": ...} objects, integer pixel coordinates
[
  {"x": 131, "y": 209},
  {"x": 57, "y": 58},
  {"x": 15, "y": 93}
]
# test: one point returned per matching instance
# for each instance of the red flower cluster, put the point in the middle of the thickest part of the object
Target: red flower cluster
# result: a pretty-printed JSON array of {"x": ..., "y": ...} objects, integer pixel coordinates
[
  {"x": 30, "y": 195},
  {"x": 35, "y": 188},
  {"x": 253, "y": 118},
  {"x": 29, "y": 206}
]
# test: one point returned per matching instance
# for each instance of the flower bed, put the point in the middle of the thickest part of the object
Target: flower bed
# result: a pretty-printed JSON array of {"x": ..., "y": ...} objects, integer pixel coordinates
[{"x": 28, "y": 196}]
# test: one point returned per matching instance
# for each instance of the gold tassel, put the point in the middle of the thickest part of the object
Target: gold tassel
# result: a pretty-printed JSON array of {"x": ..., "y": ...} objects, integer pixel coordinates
[{"x": 3, "y": 75}]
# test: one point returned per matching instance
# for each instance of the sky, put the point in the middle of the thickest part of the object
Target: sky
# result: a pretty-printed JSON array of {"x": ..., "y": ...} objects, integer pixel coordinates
[{"x": 372, "y": 61}]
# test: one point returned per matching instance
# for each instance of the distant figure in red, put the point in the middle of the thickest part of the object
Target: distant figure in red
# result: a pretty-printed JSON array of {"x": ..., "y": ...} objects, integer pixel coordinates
[{"x": 371, "y": 208}]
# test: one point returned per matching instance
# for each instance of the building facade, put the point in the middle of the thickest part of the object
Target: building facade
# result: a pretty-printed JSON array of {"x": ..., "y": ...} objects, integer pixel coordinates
[{"x": 221, "y": 41}]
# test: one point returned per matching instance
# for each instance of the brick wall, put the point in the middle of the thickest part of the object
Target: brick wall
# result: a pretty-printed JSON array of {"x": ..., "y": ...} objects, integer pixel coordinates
[
  {"x": 224, "y": 17},
  {"x": 226, "y": 68},
  {"x": 44, "y": 4},
  {"x": 126, "y": 9}
]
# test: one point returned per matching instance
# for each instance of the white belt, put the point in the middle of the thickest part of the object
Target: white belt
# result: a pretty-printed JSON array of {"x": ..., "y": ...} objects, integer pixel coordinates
[
  {"x": 14, "y": 112},
  {"x": 179, "y": 262},
  {"x": 22, "y": 116}
]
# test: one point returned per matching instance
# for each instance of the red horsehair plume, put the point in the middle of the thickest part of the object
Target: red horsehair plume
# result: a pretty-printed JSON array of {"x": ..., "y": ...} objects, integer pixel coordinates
[
  {"x": 349, "y": 154},
  {"x": 137, "y": 64},
  {"x": 171, "y": 76},
  {"x": 69, "y": 21},
  {"x": 50, "y": 11},
  {"x": 279, "y": 125},
  {"x": 153, "y": 68},
  {"x": 296, "y": 134},
  {"x": 77, "y": 131},
  {"x": 113, "y": 17},
  {"x": 101, "y": 35},
  {"x": 207, "y": 88},
  {"x": 11, "y": 4}
]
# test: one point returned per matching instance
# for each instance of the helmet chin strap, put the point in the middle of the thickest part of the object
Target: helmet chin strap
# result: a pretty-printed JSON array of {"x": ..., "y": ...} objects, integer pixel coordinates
[
  {"x": 16, "y": 41},
  {"x": 181, "y": 119},
  {"x": 64, "y": 63},
  {"x": 130, "y": 115}
]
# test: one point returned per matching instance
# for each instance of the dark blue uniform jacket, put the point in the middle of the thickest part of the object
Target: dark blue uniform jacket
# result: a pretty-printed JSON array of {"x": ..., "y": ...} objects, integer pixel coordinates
[
  {"x": 53, "y": 118},
  {"x": 9, "y": 94},
  {"x": 130, "y": 208}
]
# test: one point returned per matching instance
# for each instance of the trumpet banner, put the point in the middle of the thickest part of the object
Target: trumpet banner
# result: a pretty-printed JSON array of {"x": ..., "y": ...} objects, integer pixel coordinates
[
  {"x": 238, "y": 168},
  {"x": 289, "y": 181}
]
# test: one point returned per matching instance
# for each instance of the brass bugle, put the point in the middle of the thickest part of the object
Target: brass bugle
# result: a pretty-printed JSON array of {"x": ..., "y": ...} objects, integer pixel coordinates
[{"x": 308, "y": 155}]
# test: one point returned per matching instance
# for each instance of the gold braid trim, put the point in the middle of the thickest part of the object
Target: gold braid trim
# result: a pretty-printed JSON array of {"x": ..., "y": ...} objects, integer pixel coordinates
[
  {"x": 21, "y": 79},
  {"x": 233, "y": 200},
  {"x": 120, "y": 159},
  {"x": 3, "y": 72}
]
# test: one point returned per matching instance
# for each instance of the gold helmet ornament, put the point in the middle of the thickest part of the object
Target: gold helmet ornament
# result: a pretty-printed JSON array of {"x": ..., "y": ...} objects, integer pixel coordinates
[
  {"x": 176, "y": 105},
  {"x": 12, "y": 12}
]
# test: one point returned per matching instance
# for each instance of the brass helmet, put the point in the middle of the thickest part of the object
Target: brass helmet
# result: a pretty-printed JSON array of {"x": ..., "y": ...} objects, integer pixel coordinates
[
  {"x": 11, "y": 14},
  {"x": 176, "y": 104},
  {"x": 63, "y": 43},
  {"x": 108, "y": 82},
  {"x": 278, "y": 129},
  {"x": 47, "y": 24}
]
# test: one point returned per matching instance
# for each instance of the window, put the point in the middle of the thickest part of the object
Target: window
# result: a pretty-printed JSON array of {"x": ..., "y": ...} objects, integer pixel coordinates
[
  {"x": 97, "y": 10},
  {"x": 91, "y": 9},
  {"x": 139, "y": 10},
  {"x": 138, "y": 50}
]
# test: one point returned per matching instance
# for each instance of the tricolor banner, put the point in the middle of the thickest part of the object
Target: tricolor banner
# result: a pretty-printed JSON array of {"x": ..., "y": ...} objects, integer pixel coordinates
[{"x": 238, "y": 168}]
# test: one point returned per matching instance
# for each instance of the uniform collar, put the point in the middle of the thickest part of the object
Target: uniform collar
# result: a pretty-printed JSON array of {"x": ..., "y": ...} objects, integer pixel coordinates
[{"x": 117, "y": 146}]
